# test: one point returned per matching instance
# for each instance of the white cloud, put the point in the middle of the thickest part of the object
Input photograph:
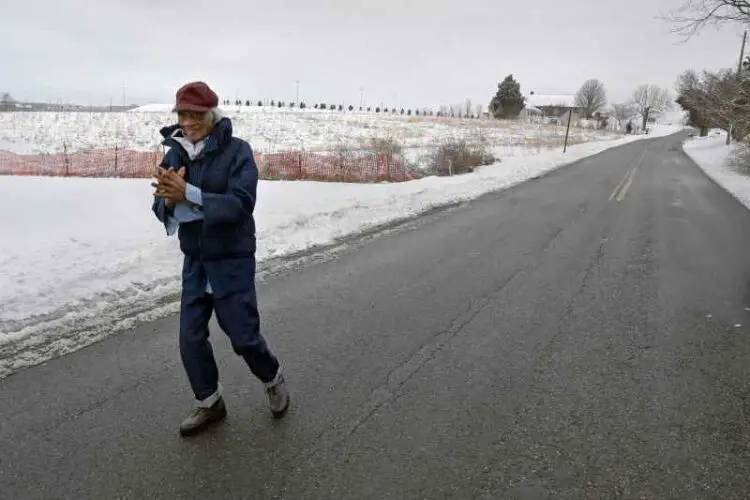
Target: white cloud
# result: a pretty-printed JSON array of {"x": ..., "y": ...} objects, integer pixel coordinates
[{"x": 423, "y": 52}]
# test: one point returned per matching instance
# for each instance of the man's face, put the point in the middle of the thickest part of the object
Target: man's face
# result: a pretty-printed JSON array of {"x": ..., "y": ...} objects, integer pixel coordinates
[{"x": 196, "y": 124}]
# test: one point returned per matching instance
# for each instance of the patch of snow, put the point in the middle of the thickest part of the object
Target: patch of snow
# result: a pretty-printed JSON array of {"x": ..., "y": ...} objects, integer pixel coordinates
[{"x": 713, "y": 155}]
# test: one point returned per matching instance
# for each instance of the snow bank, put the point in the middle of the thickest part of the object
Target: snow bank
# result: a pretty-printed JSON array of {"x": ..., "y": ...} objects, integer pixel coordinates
[{"x": 712, "y": 154}]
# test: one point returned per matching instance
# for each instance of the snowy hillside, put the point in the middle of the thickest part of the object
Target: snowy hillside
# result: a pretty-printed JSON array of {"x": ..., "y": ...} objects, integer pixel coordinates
[{"x": 267, "y": 129}]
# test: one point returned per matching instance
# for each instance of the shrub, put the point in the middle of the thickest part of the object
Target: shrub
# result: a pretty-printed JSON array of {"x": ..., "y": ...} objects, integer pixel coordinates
[
  {"x": 453, "y": 156},
  {"x": 387, "y": 146}
]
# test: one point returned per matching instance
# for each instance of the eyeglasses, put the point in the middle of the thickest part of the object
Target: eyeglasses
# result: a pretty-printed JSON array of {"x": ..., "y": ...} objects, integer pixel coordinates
[{"x": 194, "y": 115}]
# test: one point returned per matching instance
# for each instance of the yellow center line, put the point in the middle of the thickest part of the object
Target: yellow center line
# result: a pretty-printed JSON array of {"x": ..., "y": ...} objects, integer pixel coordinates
[
  {"x": 622, "y": 189},
  {"x": 619, "y": 186},
  {"x": 627, "y": 185}
]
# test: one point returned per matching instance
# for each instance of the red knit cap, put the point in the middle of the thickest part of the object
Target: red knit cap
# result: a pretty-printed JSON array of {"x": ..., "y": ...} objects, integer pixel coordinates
[{"x": 195, "y": 96}]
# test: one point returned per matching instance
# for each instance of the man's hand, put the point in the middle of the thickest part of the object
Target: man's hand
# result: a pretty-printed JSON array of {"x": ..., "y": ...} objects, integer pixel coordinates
[{"x": 170, "y": 185}]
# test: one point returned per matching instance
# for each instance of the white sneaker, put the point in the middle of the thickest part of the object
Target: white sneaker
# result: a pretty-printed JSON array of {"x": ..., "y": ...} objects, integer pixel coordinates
[{"x": 278, "y": 395}]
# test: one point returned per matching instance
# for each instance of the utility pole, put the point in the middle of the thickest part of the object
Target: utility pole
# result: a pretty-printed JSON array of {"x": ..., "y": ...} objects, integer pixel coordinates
[
  {"x": 361, "y": 97},
  {"x": 297, "y": 81},
  {"x": 646, "y": 109},
  {"x": 742, "y": 54},
  {"x": 567, "y": 131}
]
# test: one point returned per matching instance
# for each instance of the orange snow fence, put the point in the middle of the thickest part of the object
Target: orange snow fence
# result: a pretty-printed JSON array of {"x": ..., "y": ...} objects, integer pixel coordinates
[{"x": 353, "y": 166}]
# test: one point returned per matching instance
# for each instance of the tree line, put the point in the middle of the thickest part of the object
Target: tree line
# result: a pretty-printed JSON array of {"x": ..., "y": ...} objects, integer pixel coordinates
[
  {"x": 463, "y": 110},
  {"x": 715, "y": 99}
]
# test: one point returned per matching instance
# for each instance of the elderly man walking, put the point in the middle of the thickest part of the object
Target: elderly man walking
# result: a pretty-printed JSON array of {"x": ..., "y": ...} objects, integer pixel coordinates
[{"x": 206, "y": 190}]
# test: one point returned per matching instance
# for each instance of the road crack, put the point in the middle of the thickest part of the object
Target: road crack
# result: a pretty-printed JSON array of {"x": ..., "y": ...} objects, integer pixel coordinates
[{"x": 331, "y": 437}]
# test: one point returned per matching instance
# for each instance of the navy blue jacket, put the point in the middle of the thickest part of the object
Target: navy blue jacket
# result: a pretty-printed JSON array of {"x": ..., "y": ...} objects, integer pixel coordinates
[
  {"x": 221, "y": 246},
  {"x": 226, "y": 173}
]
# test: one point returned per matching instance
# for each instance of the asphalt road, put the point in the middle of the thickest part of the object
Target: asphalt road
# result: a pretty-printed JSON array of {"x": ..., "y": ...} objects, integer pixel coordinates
[{"x": 580, "y": 336}]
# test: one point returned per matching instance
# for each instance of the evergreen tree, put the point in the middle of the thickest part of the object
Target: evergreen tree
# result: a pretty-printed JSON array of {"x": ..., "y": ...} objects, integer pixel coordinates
[{"x": 508, "y": 102}]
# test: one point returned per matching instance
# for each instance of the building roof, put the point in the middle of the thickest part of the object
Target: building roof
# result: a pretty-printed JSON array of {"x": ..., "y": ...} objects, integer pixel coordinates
[{"x": 540, "y": 100}]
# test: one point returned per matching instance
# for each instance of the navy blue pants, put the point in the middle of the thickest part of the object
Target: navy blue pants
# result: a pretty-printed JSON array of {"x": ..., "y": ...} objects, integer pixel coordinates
[{"x": 237, "y": 314}]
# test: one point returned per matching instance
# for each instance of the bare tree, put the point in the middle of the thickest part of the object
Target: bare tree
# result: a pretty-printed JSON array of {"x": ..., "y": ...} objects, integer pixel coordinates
[
  {"x": 717, "y": 99},
  {"x": 480, "y": 109},
  {"x": 623, "y": 112},
  {"x": 468, "y": 108},
  {"x": 694, "y": 15},
  {"x": 726, "y": 100},
  {"x": 651, "y": 101},
  {"x": 591, "y": 97},
  {"x": 6, "y": 101},
  {"x": 690, "y": 97}
]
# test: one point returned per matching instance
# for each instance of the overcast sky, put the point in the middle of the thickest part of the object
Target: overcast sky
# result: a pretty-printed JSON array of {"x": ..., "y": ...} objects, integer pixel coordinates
[{"x": 418, "y": 52}]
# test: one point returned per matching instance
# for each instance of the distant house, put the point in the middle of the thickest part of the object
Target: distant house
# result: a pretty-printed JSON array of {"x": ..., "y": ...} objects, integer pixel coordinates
[{"x": 553, "y": 108}]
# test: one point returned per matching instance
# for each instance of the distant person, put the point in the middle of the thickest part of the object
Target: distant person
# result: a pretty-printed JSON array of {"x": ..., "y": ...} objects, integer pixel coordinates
[{"x": 206, "y": 186}]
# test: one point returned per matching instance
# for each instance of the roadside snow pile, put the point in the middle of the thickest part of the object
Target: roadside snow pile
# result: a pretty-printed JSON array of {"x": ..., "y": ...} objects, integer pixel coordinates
[{"x": 713, "y": 155}]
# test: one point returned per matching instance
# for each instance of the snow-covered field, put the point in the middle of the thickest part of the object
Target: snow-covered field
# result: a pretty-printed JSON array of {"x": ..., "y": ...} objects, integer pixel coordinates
[
  {"x": 268, "y": 130},
  {"x": 84, "y": 258}
]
